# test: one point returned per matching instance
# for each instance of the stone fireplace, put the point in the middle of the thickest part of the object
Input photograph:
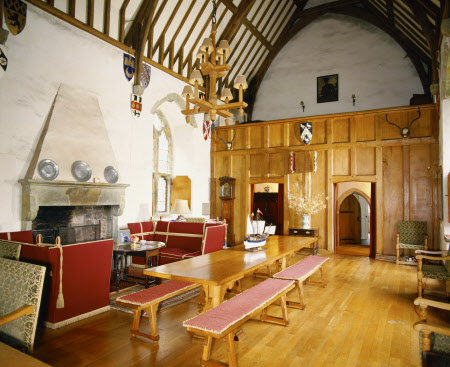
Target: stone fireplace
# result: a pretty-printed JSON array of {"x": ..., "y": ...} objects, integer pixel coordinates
[{"x": 86, "y": 199}]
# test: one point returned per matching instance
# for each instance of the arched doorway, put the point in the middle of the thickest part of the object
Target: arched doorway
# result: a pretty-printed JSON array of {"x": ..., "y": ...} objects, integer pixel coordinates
[{"x": 353, "y": 223}]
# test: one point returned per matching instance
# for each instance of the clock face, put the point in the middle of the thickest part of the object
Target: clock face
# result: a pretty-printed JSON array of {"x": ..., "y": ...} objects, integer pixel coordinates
[{"x": 226, "y": 190}]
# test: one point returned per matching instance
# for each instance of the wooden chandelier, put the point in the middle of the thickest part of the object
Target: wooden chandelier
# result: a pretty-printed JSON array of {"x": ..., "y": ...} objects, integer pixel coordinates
[{"x": 213, "y": 65}]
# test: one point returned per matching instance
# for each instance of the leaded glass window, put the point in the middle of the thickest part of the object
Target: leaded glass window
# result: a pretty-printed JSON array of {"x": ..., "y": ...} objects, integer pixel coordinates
[{"x": 162, "y": 165}]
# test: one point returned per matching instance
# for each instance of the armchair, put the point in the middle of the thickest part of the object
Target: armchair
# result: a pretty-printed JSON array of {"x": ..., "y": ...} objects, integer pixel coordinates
[
  {"x": 433, "y": 271},
  {"x": 435, "y": 338},
  {"x": 20, "y": 299},
  {"x": 411, "y": 235}
]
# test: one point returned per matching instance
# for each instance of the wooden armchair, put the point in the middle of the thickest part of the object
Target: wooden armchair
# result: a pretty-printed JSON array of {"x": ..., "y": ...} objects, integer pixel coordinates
[
  {"x": 433, "y": 271},
  {"x": 435, "y": 338},
  {"x": 411, "y": 235},
  {"x": 20, "y": 299}
]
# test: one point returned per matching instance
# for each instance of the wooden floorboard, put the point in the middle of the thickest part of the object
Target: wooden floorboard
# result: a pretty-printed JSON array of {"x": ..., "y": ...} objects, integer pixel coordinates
[{"x": 363, "y": 317}]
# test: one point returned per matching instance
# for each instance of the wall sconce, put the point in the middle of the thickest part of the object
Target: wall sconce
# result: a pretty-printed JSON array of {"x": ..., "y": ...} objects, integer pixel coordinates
[
  {"x": 303, "y": 105},
  {"x": 354, "y": 98}
]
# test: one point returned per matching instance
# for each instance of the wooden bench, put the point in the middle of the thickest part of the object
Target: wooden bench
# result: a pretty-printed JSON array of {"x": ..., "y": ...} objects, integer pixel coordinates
[
  {"x": 224, "y": 321},
  {"x": 300, "y": 272},
  {"x": 148, "y": 300}
]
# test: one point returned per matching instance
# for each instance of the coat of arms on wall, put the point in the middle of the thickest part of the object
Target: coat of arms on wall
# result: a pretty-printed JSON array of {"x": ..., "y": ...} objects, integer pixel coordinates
[
  {"x": 136, "y": 105},
  {"x": 206, "y": 129},
  {"x": 145, "y": 75},
  {"x": 306, "y": 132},
  {"x": 3, "y": 59},
  {"x": 15, "y": 15},
  {"x": 128, "y": 66}
]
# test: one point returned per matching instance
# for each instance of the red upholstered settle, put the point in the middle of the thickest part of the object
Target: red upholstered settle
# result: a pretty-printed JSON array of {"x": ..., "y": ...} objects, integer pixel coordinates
[
  {"x": 214, "y": 238},
  {"x": 147, "y": 227},
  {"x": 150, "y": 294},
  {"x": 302, "y": 268},
  {"x": 161, "y": 227},
  {"x": 226, "y": 314},
  {"x": 86, "y": 277},
  {"x": 20, "y": 236},
  {"x": 185, "y": 242}
]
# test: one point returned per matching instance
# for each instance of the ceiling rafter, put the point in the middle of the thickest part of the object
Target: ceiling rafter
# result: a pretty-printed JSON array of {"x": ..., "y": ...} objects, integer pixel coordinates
[
  {"x": 137, "y": 23},
  {"x": 180, "y": 26},
  {"x": 149, "y": 11},
  {"x": 243, "y": 61},
  {"x": 237, "y": 18}
]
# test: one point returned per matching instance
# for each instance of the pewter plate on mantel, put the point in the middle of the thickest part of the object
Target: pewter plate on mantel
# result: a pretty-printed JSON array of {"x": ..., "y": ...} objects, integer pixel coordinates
[
  {"x": 81, "y": 171},
  {"x": 111, "y": 175},
  {"x": 48, "y": 169}
]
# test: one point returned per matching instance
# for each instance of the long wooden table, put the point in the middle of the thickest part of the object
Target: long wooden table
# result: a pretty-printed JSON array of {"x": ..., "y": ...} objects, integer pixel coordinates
[{"x": 220, "y": 270}]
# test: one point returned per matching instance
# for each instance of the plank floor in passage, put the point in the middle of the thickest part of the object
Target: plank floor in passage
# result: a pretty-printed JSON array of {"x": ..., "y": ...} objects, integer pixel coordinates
[{"x": 363, "y": 317}]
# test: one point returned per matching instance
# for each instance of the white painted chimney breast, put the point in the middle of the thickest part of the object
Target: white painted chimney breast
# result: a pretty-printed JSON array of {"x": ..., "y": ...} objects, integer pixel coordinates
[{"x": 75, "y": 132}]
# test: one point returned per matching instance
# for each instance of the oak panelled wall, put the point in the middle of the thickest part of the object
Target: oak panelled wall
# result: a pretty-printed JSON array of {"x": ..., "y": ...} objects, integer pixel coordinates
[{"x": 358, "y": 146}]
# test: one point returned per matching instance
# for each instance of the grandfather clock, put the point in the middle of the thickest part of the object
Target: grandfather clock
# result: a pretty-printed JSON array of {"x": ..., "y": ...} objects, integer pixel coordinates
[{"x": 226, "y": 194}]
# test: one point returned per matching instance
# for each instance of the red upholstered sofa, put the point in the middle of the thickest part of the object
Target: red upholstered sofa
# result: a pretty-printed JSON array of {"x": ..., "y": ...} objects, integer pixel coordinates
[
  {"x": 86, "y": 275},
  {"x": 183, "y": 239}
]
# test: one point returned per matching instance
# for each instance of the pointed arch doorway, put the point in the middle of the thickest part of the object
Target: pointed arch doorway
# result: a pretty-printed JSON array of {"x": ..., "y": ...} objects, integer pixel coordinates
[{"x": 354, "y": 218}]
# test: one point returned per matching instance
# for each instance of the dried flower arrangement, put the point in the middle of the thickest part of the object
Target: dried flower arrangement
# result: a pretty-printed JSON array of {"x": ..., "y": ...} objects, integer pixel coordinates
[{"x": 306, "y": 204}]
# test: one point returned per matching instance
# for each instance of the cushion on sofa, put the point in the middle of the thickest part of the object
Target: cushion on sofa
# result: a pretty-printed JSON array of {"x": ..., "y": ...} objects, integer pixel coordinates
[
  {"x": 192, "y": 234},
  {"x": 143, "y": 229},
  {"x": 172, "y": 254}
]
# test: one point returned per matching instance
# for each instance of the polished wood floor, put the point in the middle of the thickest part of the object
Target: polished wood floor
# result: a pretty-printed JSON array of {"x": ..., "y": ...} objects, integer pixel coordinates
[{"x": 363, "y": 317}]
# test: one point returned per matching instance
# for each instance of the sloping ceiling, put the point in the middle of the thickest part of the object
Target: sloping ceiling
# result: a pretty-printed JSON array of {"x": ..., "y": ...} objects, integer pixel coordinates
[{"x": 168, "y": 33}]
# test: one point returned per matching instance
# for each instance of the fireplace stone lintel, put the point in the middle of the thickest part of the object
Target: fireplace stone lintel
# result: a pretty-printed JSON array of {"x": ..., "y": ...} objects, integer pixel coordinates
[{"x": 36, "y": 193}]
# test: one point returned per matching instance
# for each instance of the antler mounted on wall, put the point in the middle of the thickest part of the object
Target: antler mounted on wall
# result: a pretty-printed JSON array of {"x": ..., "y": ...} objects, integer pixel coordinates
[
  {"x": 405, "y": 130},
  {"x": 229, "y": 144}
]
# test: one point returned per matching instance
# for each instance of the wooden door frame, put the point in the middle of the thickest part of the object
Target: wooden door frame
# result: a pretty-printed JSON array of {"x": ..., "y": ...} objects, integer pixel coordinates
[
  {"x": 280, "y": 198},
  {"x": 372, "y": 204}
]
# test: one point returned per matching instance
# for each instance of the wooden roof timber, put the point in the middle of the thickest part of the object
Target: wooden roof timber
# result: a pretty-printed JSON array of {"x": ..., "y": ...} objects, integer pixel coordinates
[{"x": 413, "y": 24}]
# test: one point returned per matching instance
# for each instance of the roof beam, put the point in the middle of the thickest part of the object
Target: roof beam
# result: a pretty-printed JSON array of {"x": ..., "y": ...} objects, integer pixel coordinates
[
  {"x": 324, "y": 8},
  {"x": 236, "y": 19},
  {"x": 148, "y": 15}
]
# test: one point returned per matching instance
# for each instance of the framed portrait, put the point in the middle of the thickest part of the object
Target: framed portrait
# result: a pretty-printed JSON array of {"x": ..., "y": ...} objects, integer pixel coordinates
[
  {"x": 123, "y": 237},
  {"x": 327, "y": 88}
]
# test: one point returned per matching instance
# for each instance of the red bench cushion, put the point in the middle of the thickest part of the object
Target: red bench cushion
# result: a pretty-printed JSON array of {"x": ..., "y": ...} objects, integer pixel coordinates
[
  {"x": 169, "y": 255},
  {"x": 228, "y": 313},
  {"x": 302, "y": 269},
  {"x": 151, "y": 294}
]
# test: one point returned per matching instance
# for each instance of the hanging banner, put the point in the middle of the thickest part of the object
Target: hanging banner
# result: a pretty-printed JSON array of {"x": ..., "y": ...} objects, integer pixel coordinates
[
  {"x": 3, "y": 59},
  {"x": 145, "y": 75},
  {"x": 206, "y": 129},
  {"x": 306, "y": 132},
  {"x": 15, "y": 15},
  {"x": 128, "y": 66},
  {"x": 136, "y": 105}
]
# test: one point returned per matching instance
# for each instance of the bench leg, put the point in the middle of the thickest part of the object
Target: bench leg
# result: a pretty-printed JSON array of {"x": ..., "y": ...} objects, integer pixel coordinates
[
  {"x": 151, "y": 311},
  {"x": 231, "y": 351},
  {"x": 300, "y": 305},
  {"x": 277, "y": 320},
  {"x": 319, "y": 284}
]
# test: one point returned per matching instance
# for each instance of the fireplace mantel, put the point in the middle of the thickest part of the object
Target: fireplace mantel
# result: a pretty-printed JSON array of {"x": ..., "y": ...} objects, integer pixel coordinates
[{"x": 36, "y": 193}]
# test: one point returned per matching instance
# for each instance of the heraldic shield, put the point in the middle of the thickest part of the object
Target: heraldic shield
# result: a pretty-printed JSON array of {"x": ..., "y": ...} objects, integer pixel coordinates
[
  {"x": 3, "y": 59},
  {"x": 206, "y": 129},
  {"x": 145, "y": 75},
  {"x": 136, "y": 105},
  {"x": 306, "y": 132},
  {"x": 128, "y": 66},
  {"x": 16, "y": 15}
]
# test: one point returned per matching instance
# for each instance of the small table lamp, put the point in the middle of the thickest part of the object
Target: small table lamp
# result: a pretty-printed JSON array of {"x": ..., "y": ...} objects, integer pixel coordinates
[{"x": 181, "y": 207}]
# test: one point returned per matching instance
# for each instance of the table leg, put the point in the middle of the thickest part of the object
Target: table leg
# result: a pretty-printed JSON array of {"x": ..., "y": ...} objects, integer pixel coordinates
[{"x": 116, "y": 270}]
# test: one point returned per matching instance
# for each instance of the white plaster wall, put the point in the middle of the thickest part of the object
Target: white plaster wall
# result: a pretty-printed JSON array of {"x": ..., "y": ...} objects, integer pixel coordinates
[
  {"x": 369, "y": 63},
  {"x": 49, "y": 52}
]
